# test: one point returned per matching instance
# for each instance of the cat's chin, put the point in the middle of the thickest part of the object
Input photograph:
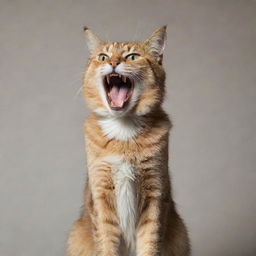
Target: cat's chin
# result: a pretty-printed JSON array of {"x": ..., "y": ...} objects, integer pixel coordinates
[{"x": 118, "y": 91}]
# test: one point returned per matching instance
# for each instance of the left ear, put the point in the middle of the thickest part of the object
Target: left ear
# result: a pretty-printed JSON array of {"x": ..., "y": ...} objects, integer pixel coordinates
[
  {"x": 93, "y": 40},
  {"x": 156, "y": 43}
]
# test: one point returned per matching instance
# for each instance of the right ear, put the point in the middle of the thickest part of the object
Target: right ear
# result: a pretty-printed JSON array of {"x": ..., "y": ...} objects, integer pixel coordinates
[
  {"x": 93, "y": 40},
  {"x": 156, "y": 43}
]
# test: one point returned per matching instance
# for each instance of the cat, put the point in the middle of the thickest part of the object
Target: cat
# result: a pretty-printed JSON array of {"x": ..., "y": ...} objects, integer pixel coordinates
[{"x": 128, "y": 207}]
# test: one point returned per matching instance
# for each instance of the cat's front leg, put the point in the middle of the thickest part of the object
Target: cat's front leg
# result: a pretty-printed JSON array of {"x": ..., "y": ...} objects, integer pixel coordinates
[
  {"x": 149, "y": 223},
  {"x": 107, "y": 232}
]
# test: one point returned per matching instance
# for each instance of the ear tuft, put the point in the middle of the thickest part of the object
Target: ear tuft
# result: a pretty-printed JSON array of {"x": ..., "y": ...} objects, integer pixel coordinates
[
  {"x": 93, "y": 40},
  {"x": 85, "y": 28},
  {"x": 156, "y": 42}
]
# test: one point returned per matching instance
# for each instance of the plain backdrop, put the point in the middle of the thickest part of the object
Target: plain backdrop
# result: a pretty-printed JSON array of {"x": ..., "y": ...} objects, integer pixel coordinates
[{"x": 210, "y": 60}]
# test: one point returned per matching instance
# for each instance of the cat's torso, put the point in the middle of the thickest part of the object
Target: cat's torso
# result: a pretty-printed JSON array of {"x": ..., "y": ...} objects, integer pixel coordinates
[{"x": 136, "y": 165}]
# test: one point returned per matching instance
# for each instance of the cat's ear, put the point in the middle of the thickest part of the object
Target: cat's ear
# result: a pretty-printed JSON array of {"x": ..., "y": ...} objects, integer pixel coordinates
[
  {"x": 156, "y": 43},
  {"x": 93, "y": 40}
]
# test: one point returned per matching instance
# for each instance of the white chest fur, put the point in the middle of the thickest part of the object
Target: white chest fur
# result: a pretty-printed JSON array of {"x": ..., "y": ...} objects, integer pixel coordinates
[
  {"x": 120, "y": 128},
  {"x": 125, "y": 189}
]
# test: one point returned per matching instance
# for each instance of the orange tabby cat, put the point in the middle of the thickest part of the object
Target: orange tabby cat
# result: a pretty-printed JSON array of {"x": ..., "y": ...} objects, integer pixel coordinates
[{"x": 128, "y": 207}]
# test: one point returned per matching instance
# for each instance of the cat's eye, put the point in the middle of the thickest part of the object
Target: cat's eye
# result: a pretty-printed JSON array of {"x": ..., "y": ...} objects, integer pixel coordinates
[
  {"x": 132, "y": 56},
  {"x": 103, "y": 57}
]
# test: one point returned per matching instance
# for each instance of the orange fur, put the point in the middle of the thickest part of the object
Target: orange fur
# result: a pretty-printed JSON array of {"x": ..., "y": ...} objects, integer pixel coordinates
[{"x": 158, "y": 228}]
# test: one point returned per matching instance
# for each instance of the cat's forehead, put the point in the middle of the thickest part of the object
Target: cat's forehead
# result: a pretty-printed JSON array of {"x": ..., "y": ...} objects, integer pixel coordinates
[{"x": 121, "y": 47}]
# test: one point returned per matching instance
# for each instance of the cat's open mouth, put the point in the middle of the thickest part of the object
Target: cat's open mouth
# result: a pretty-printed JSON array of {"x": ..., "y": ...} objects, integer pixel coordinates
[{"x": 118, "y": 90}]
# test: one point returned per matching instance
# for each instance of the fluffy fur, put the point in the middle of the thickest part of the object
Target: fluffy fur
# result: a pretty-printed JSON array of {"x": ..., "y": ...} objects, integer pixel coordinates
[
  {"x": 122, "y": 128},
  {"x": 126, "y": 200},
  {"x": 128, "y": 208}
]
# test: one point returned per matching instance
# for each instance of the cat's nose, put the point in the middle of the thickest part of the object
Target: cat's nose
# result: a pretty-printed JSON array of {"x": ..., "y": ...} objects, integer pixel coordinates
[{"x": 114, "y": 63}]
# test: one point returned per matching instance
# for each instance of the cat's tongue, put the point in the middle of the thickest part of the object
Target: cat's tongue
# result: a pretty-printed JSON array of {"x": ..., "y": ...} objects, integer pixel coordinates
[{"x": 118, "y": 96}]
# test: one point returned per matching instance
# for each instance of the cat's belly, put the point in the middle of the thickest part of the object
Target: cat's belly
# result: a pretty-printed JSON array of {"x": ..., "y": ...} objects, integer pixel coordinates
[{"x": 126, "y": 200}]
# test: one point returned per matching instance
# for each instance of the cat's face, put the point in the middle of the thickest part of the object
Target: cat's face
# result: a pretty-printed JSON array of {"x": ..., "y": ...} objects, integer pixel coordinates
[{"x": 125, "y": 78}]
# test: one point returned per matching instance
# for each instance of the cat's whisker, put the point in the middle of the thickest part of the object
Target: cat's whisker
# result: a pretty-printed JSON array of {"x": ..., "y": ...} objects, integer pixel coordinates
[
  {"x": 78, "y": 91},
  {"x": 78, "y": 79}
]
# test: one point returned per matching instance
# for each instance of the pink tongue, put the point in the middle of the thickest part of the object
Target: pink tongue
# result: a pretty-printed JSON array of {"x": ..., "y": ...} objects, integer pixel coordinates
[{"x": 118, "y": 96}]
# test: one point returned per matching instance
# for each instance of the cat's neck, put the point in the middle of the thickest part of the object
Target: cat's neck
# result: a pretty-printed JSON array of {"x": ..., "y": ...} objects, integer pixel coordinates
[
  {"x": 127, "y": 127},
  {"x": 121, "y": 128}
]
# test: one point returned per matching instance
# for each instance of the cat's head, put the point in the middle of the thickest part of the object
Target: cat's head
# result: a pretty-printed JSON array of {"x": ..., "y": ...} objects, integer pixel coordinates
[{"x": 125, "y": 77}]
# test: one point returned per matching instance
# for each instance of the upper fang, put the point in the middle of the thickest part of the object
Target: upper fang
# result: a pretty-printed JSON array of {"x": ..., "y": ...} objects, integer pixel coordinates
[
  {"x": 124, "y": 78},
  {"x": 107, "y": 78}
]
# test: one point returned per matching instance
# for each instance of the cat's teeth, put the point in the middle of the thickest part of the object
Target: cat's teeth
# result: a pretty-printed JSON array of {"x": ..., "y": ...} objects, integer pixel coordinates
[
  {"x": 120, "y": 76},
  {"x": 124, "y": 79},
  {"x": 108, "y": 79}
]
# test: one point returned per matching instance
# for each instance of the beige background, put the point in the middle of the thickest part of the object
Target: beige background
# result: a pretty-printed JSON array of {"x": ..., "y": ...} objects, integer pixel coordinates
[{"x": 210, "y": 61}]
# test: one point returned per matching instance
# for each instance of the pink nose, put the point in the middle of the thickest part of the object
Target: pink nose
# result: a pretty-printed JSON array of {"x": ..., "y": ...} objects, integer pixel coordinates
[{"x": 114, "y": 63}]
